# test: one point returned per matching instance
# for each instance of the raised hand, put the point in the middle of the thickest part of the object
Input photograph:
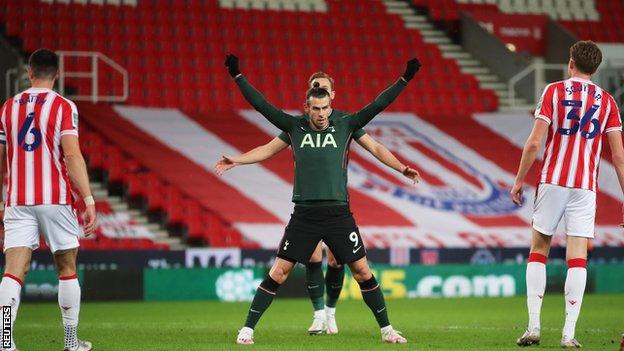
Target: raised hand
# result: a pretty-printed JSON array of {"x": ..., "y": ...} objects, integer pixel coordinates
[
  {"x": 411, "y": 68},
  {"x": 411, "y": 174},
  {"x": 231, "y": 62}
]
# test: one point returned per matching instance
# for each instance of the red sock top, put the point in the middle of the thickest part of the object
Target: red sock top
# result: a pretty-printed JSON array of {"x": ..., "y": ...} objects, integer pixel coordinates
[
  {"x": 577, "y": 263},
  {"x": 537, "y": 257},
  {"x": 69, "y": 277}
]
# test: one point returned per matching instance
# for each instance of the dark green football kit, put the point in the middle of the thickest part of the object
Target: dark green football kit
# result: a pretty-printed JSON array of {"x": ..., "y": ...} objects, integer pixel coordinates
[{"x": 320, "y": 185}]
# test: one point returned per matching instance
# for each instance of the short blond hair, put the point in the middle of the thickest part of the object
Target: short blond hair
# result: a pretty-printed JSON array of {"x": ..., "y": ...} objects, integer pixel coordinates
[{"x": 317, "y": 75}]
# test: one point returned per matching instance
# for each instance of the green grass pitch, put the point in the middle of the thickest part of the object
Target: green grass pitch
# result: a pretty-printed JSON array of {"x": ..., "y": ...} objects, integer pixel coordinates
[{"x": 429, "y": 324}]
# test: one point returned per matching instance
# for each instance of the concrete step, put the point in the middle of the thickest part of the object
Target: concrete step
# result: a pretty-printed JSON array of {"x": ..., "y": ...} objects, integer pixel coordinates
[
  {"x": 457, "y": 55},
  {"x": 169, "y": 241},
  {"x": 99, "y": 193},
  {"x": 152, "y": 227},
  {"x": 414, "y": 18},
  {"x": 448, "y": 48},
  {"x": 495, "y": 86},
  {"x": 400, "y": 11},
  {"x": 160, "y": 234},
  {"x": 177, "y": 247},
  {"x": 475, "y": 70},
  {"x": 432, "y": 33},
  {"x": 468, "y": 63},
  {"x": 96, "y": 186},
  {"x": 501, "y": 93},
  {"x": 419, "y": 25},
  {"x": 487, "y": 78},
  {"x": 140, "y": 219},
  {"x": 437, "y": 40},
  {"x": 119, "y": 207},
  {"x": 394, "y": 4},
  {"x": 135, "y": 213}
]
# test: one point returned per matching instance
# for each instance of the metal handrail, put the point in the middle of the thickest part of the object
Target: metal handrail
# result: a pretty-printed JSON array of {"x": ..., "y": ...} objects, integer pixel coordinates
[
  {"x": 539, "y": 68},
  {"x": 7, "y": 81},
  {"x": 93, "y": 74}
]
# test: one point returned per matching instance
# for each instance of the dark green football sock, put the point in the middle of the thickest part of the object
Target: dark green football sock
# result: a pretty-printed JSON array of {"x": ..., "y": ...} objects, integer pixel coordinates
[
  {"x": 262, "y": 300},
  {"x": 373, "y": 296},
  {"x": 315, "y": 284},
  {"x": 333, "y": 284}
]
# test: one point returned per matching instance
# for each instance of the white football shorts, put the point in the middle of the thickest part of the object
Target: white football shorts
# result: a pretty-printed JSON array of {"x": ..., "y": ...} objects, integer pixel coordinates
[
  {"x": 57, "y": 223},
  {"x": 576, "y": 206}
]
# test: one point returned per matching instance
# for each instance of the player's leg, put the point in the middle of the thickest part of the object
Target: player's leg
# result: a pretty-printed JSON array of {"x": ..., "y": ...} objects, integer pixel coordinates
[
  {"x": 536, "y": 286},
  {"x": 17, "y": 261},
  {"x": 580, "y": 217},
  {"x": 59, "y": 226},
  {"x": 333, "y": 285},
  {"x": 297, "y": 245},
  {"x": 374, "y": 299},
  {"x": 263, "y": 298},
  {"x": 345, "y": 242},
  {"x": 548, "y": 210},
  {"x": 315, "y": 285},
  {"x": 21, "y": 237},
  {"x": 576, "y": 278},
  {"x": 69, "y": 298}
]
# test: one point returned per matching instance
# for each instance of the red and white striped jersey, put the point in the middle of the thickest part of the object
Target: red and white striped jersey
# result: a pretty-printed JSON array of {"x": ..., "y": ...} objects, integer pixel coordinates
[
  {"x": 31, "y": 126},
  {"x": 579, "y": 113}
]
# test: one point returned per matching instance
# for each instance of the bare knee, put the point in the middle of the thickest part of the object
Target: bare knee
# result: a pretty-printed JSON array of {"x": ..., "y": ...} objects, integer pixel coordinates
[
  {"x": 280, "y": 270},
  {"x": 360, "y": 270},
  {"x": 65, "y": 262},
  {"x": 331, "y": 261},
  {"x": 540, "y": 243},
  {"x": 317, "y": 255}
]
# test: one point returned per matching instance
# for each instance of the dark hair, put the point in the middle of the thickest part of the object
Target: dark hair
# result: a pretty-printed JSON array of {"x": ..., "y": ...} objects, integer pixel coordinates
[
  {"x": 44, "y": 64},
  {"x": 586, "y": 55},
  {"x": 316, "y": 92},
  {"x": 322, "y": 75}
]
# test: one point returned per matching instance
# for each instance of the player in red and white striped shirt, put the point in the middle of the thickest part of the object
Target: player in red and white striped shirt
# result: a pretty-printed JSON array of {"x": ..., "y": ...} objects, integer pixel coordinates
[
  {"x": 39, "y": 139},
  {"x": 574, "y": 114}
]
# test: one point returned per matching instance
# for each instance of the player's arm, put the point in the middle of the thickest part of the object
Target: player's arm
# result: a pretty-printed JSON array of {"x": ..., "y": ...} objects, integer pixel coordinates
[
  {"x": 383, "y": 100},
  {"x": 259, "y": 154},
  {"x": 617, "y": 154},
  {"x": 77, "y": 171},
  {"x": 386, "y": 157},
  {"x": 613, "y": 129},
  {"x": 276, "y": 116},
  {"x": 2, "y": 157},
  {"x": 529, "y": 154},
  {"x": 2, "y": 163}
]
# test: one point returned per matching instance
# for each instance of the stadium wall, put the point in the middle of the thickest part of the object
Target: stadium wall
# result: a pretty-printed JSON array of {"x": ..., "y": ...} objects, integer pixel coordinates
[
  {"x": 9, "y": 58},
  {"x": 558, "y": 42},
  {"x": 494, "y": 54}
]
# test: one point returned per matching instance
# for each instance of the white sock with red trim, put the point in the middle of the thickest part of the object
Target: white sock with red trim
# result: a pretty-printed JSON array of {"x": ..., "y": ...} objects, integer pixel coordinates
[
  {"x": 10, "y": 290},
  {"x": 69, "y": 302},
  {"x": 536, "y": 285},
  {"x": 574, "y": 290}
]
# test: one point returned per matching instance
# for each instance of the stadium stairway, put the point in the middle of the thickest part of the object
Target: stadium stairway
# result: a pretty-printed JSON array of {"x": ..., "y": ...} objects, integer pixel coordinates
[
  {"x": 117, "y": 204},
  {"x": 467, "y": 63}
]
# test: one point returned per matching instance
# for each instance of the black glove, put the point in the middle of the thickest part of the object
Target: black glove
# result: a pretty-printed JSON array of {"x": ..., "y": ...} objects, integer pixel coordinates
[
  {"x": 412, "y": 67},
  {"x": 231, "y": 62}
]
